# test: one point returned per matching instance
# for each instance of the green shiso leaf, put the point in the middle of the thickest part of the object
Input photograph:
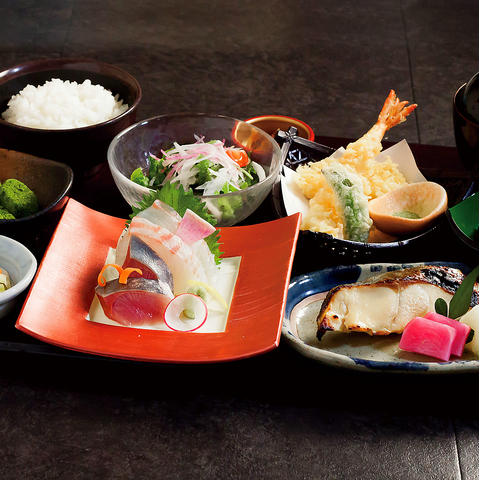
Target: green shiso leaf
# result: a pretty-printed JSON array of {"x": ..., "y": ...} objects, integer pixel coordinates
[
  {"x": 461, "y": 301},
  {"x": 441, "y": 307},
  {"x": 181, "y": 201}
]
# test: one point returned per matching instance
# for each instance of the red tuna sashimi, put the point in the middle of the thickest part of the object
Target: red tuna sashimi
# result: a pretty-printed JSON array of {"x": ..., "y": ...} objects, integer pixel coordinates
[
  {"x": 152, "y": 266},
  {"x": 138, "y": 302},
  {"x": 428, "y": 337},
  {"x": 462, "y": 331}
]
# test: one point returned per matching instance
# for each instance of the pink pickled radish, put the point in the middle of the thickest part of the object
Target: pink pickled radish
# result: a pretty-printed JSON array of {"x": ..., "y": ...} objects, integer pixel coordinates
[
  {"x": 462, "y": 331},
  {"x": 175, "y": 317},
  {"x": 428, "y": 337},
  {"x": 193, "y": 228}
]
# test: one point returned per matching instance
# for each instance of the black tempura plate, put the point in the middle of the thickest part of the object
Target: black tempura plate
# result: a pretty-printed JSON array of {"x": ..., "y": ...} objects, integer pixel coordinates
[{"x": 317, "y": 250}]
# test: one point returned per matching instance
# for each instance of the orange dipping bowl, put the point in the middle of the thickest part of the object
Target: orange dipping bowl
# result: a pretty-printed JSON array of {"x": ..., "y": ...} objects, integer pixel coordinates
[{"x": 272, "y": 123}]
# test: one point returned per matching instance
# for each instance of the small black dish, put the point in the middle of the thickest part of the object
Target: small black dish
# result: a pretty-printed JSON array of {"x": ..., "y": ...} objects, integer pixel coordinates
[{"x": 51, "y": 182}]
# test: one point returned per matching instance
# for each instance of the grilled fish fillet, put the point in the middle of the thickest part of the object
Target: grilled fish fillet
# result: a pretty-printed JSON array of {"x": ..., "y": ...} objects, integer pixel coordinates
[{"x": 385, "y": 303}]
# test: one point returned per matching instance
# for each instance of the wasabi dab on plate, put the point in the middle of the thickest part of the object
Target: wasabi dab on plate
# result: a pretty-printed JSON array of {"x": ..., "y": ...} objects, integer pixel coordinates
[{"x": 5, "y": 282}]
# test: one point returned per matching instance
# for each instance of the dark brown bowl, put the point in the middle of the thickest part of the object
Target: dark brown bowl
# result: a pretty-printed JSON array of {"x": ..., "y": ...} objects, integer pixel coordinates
[
  {"x": 83, "y": 149},
  {"x": 466, "y": 133},
  {"x": 51, "y": 182}
]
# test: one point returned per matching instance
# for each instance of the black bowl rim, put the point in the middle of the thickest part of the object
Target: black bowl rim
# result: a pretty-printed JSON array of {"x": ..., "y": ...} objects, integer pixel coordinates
[
  {"x": 50, "y": 65},
  {"x": 186, "y": 114},
  {"x": 66, "y": 188},
  {"x": 467, "y": 119}
]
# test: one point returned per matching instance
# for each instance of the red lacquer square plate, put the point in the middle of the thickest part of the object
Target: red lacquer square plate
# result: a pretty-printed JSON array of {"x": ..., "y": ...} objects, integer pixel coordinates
[{"x": 57, "y": 305}]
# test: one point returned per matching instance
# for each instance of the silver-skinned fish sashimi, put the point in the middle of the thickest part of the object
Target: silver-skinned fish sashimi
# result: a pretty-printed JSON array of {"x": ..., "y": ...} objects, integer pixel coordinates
[
  {"x": 144, "y": 258},
  {"x": 138, "y": 302}
]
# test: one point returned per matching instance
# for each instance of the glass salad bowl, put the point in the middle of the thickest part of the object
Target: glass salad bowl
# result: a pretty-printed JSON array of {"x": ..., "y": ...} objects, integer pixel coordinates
[{"x": 132, "y": 147}]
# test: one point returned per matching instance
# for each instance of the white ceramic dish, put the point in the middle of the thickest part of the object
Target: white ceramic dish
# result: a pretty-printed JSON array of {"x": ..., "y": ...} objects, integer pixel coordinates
[
  {"x": 21, "y": 266},
  {"x": 357, "y": 351}
]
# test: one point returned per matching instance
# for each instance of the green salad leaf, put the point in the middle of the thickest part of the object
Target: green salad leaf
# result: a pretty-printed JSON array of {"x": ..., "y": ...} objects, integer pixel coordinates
[
  {"x": 203, "y": 168},
  {"x": 156, "y": 172},
  {"x": 140, "y": 178},
  {"x": 181, "y": 201}
]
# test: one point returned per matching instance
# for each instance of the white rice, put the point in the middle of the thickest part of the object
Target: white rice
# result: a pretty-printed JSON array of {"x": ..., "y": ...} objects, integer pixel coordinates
[{"x": 63, "y": 105}]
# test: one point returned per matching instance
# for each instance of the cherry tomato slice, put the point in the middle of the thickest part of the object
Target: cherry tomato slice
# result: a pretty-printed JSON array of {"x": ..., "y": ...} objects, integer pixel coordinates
[{"x": 239, "y": 156}]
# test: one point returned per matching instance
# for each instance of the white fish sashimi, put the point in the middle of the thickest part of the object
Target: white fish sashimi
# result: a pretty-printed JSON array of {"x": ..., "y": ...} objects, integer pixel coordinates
[
  {"x": 162, "y": 214},
  {"x": 179, "y": 257},
  {"x": 207, "y": 259},
  {"x": 166, "y": 216}
]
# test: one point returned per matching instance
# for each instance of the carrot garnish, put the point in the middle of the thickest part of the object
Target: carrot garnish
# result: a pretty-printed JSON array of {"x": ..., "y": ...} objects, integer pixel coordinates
[
  {"x": 239, "y": 156},
  {"x": 123, "y": 272}
]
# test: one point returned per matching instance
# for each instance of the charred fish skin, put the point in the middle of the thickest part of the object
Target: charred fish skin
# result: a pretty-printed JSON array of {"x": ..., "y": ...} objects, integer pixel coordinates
[{"x": 392, "y": 295}]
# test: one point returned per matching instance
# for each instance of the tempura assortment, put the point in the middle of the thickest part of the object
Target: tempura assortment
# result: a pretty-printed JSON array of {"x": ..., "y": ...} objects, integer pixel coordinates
[{"x": 338, "y": 189}]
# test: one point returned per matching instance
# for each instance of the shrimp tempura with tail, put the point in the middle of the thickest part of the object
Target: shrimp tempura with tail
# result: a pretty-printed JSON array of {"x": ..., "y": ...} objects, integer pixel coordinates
[{"x": 358, "y": 157}]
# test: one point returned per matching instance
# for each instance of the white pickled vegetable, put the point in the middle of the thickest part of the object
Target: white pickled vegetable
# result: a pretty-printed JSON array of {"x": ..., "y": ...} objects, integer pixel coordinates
[
  {"x": 471, "y": 318},
  {"x": 5, "y": 282}
]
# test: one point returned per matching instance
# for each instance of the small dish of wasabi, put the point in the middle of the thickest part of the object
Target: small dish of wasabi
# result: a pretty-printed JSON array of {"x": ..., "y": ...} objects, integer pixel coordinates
[
  {"x": 16, "y": 200},
  {"x": 18, "y": 267},
  {"x": 33, "y": 194}
]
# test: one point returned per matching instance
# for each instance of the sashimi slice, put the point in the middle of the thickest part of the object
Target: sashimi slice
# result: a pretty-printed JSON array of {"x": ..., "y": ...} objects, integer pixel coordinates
[
  {"x": 161, "y": 213},
  {"x": 138, "y": 302},
  {"x": 428, "y": 338},
  {"x": 462, "y": 331},
  {"x": 193, "y": 228},
  {"x": 142, "y": 256},
  {"x": 179, "y": 257},
  {"x": 207, "y": 259}
]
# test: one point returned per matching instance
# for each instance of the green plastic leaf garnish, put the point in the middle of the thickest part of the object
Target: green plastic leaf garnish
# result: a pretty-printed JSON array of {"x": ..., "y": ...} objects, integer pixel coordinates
[
  {"x": 441, "y": 307},
  {"x": 461, "y": 301},
  {"x": 181, "y": 201}
]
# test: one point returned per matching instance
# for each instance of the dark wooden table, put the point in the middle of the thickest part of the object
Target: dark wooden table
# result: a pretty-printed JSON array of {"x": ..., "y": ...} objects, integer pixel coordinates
[{"x": 278, "y": 415}]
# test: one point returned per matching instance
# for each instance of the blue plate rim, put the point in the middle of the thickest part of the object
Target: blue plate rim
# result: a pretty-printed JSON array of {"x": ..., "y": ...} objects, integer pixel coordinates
[{"x": 296, "y": 294}]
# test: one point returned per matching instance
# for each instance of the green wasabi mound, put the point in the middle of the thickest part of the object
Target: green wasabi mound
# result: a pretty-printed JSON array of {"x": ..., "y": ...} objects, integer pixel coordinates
[
  {"x": 5, "y": 214},
  {"x": 352, "y": 202},
  {"x": 17, "y": 199}
]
